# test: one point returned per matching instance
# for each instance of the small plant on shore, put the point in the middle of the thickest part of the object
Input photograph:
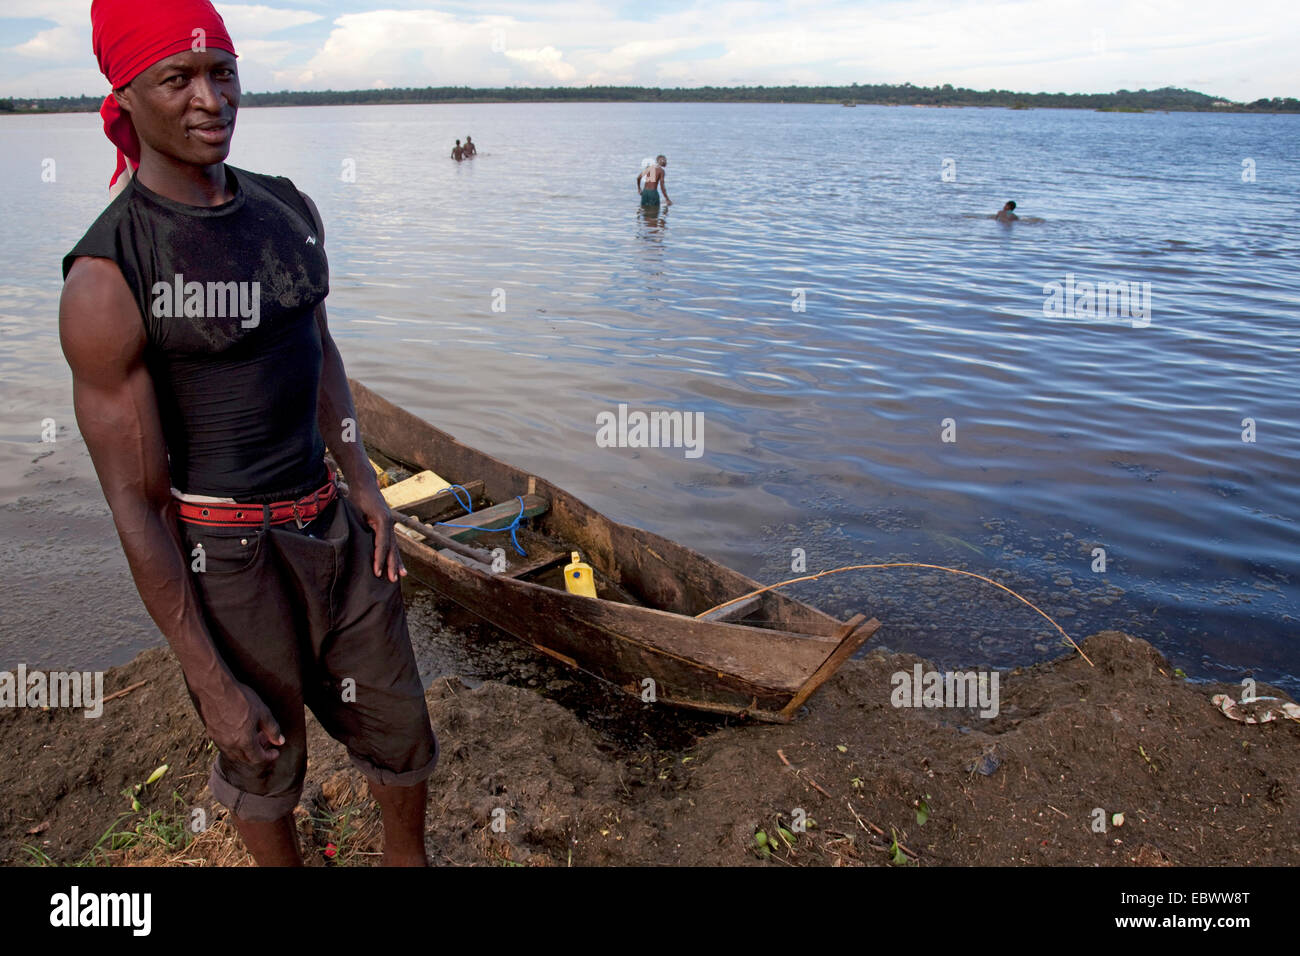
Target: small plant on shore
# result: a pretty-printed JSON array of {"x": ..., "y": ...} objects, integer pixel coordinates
[
  {"x": 345, "y": 836},
  {"x": 160, "y": 829},
  {"x": 922, "y": 809},
  {"x": 1150, "y": 764},
  {"x": 896, "y": 855},
  {"x": 765, "y": 842},
  {"x": 93, "y": 856},
  {"x": 133, "y": 793},
  {"x": 39, "y": 856},
  {"x": 786, "y": 836}
]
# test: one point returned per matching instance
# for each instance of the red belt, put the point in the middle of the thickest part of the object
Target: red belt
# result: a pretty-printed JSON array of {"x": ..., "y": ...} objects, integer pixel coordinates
[{"x": 232, "y": 513}]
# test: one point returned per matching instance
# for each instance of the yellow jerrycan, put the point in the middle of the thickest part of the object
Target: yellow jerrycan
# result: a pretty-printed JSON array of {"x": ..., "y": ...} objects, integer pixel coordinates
[{"x": 578, "y": 578}]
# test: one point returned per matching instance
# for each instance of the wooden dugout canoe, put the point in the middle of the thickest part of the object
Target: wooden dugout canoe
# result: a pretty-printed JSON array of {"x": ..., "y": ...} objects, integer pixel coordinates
[{"x": 760, "y": 658}]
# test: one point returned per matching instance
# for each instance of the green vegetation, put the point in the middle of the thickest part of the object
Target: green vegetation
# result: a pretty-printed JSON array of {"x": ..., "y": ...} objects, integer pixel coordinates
[
  {"x": 896, "y": 855},
  {"x": 341, "y": 835},
  {"x": 157, "y": 830},
  {"x": 1167, "y": 98},
  {"x": 922, "y": 810}
]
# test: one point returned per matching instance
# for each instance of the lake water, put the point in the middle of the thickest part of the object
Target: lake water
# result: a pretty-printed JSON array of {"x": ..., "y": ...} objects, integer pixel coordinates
[{"x": 826, "y": 299}]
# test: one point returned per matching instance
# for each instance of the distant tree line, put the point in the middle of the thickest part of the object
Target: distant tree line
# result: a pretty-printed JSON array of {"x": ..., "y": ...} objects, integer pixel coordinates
[{"x": 1168, "y": 98}]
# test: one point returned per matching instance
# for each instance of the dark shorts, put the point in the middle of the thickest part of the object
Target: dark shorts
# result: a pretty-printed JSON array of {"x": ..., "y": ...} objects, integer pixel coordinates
[
  {"x": 299, "y": 616},
  {"x": 650, "y": 196}
]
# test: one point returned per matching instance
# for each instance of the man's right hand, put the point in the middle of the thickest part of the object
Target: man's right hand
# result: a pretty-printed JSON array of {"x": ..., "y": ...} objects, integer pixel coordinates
[{"x": 242, "y": 727}]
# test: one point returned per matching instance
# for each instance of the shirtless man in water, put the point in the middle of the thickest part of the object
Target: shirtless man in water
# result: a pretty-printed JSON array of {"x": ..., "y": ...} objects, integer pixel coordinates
[
  {"x": 1006, "y": 214},
  {"x": 650, "y": 181}
]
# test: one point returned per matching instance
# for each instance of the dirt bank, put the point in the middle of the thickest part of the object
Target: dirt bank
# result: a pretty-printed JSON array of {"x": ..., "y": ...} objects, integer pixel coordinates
[{"x": 1126, "y": 736}]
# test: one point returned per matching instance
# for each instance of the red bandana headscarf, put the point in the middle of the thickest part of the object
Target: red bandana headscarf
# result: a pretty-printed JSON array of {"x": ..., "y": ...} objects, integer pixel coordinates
[{"x": 129, "y": 36}]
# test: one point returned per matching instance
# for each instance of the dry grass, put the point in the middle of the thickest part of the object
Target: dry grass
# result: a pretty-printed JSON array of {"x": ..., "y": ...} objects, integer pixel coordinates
[{"x": 342, "y": 827}]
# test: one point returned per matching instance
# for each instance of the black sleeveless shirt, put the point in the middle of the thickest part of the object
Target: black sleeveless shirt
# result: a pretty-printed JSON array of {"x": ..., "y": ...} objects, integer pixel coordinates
[{"x": 228, "y": 295}]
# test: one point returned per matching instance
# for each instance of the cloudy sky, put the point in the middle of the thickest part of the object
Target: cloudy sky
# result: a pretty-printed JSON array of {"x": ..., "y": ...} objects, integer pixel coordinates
[{"x": 1241, "y": 51}]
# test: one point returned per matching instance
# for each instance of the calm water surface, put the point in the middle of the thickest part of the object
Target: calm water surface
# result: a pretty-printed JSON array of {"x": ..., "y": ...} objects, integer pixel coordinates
[{"x": 822, "y": 427}]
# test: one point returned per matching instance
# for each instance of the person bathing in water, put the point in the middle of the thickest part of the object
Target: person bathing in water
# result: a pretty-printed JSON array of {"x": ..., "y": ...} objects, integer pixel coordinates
[
  {"x": 650, "y": 181},
  {"x": 469, "y": 149},
  {"x": 1006, "y": 214},
  {"x": 457, "y": 151}
]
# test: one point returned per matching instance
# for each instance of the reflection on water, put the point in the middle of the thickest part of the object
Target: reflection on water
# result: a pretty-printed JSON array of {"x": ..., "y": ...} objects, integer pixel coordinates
[
  {"x": 654, "y": 218},
  {"x": 828, "y": 311}
]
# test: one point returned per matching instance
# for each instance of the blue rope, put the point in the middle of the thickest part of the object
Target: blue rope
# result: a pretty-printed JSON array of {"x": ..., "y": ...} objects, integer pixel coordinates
[{"x": 467, "y": 505}]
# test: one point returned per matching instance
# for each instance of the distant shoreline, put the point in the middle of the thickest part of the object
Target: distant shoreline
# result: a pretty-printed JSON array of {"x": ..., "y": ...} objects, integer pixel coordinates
[{"x": 1125, "y": 101}]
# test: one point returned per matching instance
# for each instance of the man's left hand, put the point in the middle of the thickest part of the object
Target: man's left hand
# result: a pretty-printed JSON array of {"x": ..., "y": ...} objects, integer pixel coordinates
[{"x": 374, "y": 509}]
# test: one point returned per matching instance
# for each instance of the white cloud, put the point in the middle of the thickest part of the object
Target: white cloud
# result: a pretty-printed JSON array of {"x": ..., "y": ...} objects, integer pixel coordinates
[
  {"x": 57, "y": 44},
  {"x": 264, "y": 52},
  {"x": 1238, "y": 51},
  {"x": 69, "y": 40},
  {"x": 59, "y": 60},
  {"x": 427, "y": 48},
  {"x": 548, "y": 61},
  {"x": 257, "y": 21}
]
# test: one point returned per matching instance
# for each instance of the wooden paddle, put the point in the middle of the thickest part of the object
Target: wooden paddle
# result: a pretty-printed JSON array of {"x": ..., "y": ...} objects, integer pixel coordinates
[{"x": 436, "y": 537}]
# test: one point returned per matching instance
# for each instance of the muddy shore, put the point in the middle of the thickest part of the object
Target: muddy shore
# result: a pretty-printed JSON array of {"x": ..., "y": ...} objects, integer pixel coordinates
[{"x": 575, "y": 773}]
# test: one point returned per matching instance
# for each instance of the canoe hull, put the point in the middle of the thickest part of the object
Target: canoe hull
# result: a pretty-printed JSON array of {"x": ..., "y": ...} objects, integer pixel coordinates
[{"x": 661, "y": 652}]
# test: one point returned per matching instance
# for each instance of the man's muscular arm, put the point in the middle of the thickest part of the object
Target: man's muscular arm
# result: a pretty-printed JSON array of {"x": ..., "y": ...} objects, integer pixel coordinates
[
  {"x": 113, "y": 396},
  {"x": 333, "y": 407}
]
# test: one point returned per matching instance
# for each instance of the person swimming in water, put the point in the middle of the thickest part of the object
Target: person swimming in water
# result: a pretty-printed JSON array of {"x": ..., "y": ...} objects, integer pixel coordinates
[
  {"x": 469, "y": 148},
  {"x": 457, "y": 152},
  {"x": 650, "y": 181},
  {"x": 1006, "y": 214}
]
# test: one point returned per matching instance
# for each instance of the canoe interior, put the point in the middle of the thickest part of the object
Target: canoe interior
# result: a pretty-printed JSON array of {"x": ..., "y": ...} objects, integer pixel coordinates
[{"x": 631, "y": 566}]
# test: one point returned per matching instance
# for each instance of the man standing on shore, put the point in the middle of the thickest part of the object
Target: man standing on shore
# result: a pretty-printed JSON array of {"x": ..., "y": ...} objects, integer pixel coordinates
[{"x": 206, "y": 385}]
